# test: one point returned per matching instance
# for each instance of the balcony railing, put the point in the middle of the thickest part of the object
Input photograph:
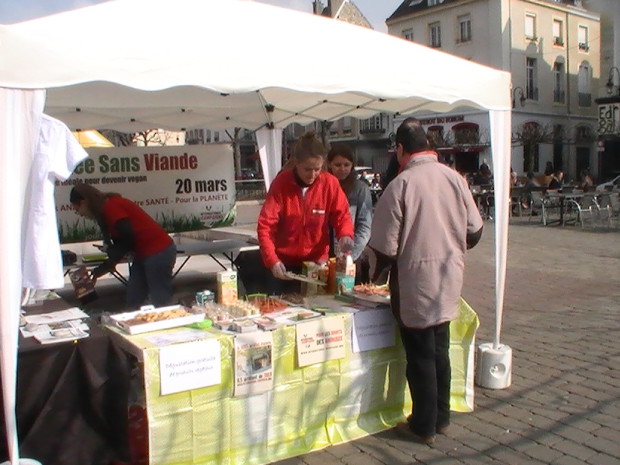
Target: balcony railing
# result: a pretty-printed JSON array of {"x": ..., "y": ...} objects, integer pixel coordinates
[
  {"x": 559, "y": 96},
  {"x": 583, "y": 47},
  {"x": 372, "y": 130},
  {"x": 584, "y": 100},
  {"x": 251, "y": 189},
  {"x": 558, "y": 41}
]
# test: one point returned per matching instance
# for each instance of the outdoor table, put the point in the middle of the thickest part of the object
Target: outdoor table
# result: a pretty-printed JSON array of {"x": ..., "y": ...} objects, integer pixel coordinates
[
  {"x": 561, "y": 198},
  {"x": 307, "y": 409},
  {"x": 229, "y": 248},
  {"x": 71, "y": 398}
]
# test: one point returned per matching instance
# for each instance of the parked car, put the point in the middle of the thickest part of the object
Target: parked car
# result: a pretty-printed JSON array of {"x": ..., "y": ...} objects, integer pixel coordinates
[
  {"x": 367, "y": 171},
  {"x": 248, "y": 173},
  {"x": 613, "y": 184}
]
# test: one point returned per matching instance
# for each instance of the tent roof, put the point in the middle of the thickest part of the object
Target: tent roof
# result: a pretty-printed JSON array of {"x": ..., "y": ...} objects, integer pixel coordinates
[{"x": 139, "y": 64}]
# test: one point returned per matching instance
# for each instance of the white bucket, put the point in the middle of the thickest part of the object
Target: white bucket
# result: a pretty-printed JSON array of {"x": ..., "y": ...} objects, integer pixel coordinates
[{"x": 494, "y": 368}]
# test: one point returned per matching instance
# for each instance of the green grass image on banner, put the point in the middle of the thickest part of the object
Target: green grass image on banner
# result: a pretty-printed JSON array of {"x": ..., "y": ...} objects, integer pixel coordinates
[{"x": 84, "y": 231}]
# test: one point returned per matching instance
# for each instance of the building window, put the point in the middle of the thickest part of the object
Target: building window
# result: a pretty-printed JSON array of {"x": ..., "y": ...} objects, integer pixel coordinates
[
  {"x": 558, "y": 38},
  {"x": 435, "y": 135},
  {"x": 583, "y": 86},
  {"x": 372, "y": 125},
  {"x": 558, "y": 82},
  {"x": 347, "y": 126},
  {"x": 530, "y": 26},
  {"x": 408, "y": 34},
  {"x": 531, "y": 87},
  {"x": 582, "y": 38},
  {"x": 466, "y": 134},
  {"x": 434, "y": 2},
  {"x": 207, "y": 138},
  {"x": 216, "y": 136},
  {"x": 464, "y": 28},
  {"x": 434, "y": 30}
]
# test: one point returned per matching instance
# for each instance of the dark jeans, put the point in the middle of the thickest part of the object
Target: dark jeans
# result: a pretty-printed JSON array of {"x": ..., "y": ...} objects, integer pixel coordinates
[
  {"x": 428, "y": 375},
  {"x": 151, "y": 276},
  {"x": 257, "y": 279}
]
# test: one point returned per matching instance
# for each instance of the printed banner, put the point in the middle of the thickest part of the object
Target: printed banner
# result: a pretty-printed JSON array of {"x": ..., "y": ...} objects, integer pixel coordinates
[
  {"x": 184, "y": 188},
  {"x": 373, "y": 329},
  {"x": 320, "y": 340},
  {"x": 189, "y": 366},
  {"x": 253, "y": 363}
]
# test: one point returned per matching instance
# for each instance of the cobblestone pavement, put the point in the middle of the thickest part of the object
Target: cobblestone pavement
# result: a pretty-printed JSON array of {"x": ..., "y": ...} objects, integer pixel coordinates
[{"x": 562, "y": 321}]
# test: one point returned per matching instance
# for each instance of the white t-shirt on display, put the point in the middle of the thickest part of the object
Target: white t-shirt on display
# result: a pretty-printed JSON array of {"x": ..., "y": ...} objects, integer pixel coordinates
[{"x": 57, "y": 153}]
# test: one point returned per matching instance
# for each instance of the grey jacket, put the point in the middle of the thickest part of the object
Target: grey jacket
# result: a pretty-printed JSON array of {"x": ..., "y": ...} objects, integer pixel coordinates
[
  {"x": 422, "y": 222},
  {"x": 360, "y": 208}
]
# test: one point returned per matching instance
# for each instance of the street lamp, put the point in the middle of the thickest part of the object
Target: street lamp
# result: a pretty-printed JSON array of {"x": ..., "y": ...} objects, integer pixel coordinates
[
  {"x": 610, "y": 81},
  {"x": 521, "y": 96}
]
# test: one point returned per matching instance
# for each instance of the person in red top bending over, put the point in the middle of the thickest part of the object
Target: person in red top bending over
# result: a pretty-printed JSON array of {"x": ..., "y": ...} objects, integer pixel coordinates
[
  {"x": 129, "y": 229},
  {"x": 302, "y": 203}
]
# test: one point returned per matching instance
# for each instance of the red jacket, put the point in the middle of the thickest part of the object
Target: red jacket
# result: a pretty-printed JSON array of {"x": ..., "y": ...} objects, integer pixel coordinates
[
  {"x": 150, "y": 237},
  {"x": 293, "y": 229}
]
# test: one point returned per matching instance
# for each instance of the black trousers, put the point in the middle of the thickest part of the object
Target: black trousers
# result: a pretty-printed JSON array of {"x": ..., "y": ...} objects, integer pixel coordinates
[
  {"x": 429, "y": 376},
  {"x": 255, "y": 278}
]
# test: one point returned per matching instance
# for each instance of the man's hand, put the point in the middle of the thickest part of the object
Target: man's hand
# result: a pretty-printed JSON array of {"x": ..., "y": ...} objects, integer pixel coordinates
[
  {"x": 345, "y": 244},
  {"x": 279, "y": 271}
]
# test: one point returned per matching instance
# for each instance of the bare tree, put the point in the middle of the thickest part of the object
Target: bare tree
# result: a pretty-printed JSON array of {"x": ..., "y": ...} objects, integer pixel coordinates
[
  {"x": 152, "y": 137},
  {"x": 235, "y": 140}
]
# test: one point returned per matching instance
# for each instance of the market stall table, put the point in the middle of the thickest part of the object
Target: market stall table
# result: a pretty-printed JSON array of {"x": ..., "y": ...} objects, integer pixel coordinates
[
  {"x": 71, "y": 398},
  {"x": 229, "y": 248},
  {"x": 307, "y": 408}
]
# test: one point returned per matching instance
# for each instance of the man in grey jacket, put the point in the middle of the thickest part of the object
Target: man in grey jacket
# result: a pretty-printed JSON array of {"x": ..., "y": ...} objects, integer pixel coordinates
[{"x": 423, "y": 224}]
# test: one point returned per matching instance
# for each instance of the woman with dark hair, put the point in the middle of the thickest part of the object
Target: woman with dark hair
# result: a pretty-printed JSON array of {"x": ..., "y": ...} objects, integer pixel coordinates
[
  {"x": 303, "y": 202},
  {"x": 127, "y": 229},
  {"x": 340, "y": 163}
]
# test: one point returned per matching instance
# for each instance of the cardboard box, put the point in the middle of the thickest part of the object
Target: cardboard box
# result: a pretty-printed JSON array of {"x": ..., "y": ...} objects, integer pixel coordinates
[
  {"x": 314, "y": 271},
  {"x": 227, "y": 291},
  {"x": 344, "y": 283}
]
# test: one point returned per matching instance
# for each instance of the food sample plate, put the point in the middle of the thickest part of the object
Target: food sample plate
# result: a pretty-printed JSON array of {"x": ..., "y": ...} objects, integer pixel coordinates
[
  {"x": 371, "y": 293},
  {"x": 153, "y": 319},
  {"x": 294, "y": 300}
]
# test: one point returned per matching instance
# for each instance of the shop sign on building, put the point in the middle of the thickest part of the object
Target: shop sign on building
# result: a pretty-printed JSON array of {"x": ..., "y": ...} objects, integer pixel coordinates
[{"x": 609, "y": 119}]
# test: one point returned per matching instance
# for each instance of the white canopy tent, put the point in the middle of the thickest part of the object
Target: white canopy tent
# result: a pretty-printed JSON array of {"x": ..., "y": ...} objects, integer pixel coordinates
[{"x": 132, "y": 65}]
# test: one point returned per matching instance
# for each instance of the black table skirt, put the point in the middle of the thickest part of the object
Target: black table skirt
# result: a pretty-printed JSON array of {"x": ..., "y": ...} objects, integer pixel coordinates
[{"x": 71, "y": 399}]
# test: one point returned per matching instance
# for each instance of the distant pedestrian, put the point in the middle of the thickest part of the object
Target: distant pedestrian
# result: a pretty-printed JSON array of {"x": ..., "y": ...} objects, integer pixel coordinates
[{"x": 423, "y": 224}]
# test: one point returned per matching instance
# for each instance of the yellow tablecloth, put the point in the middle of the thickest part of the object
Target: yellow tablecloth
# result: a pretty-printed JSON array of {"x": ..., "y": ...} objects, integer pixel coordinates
[{"x": 308, "y": 408}]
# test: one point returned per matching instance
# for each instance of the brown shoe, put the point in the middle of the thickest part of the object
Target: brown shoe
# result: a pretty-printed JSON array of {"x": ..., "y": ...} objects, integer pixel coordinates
[
  {"x": 404, "y": 430},
  {"x": 443, "y": 429}
]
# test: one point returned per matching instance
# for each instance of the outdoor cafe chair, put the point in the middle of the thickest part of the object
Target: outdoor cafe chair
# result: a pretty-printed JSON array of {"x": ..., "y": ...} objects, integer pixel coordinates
[
  {"x": 608, "y": 206},
  {"x": 541, "y": 206},
  {"x": 582, "y": 209}
]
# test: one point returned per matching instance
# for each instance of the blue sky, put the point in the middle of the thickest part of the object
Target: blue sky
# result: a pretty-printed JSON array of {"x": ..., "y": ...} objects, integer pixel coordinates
[{"x": 11, "y": 11}]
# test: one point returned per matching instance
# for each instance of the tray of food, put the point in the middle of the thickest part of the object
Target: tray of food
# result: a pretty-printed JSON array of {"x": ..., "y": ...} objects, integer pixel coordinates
[
  {"x": 294, "y": 299},
  {"x": 371, "y": 293},
  {"x": 267, "y": 304},
  {"x": 150, "y": 318}
]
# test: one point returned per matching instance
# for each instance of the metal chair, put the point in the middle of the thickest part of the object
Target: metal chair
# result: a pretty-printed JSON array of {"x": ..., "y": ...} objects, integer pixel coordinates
[
  {"x": 542, "y": 205},
  {"x": 608, "y": 206},
  {"x": 581, "y": 209}
]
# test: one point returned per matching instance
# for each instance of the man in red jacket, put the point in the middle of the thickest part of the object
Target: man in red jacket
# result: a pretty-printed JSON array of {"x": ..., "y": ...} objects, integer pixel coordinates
[{"x": 301, "y": 205}]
